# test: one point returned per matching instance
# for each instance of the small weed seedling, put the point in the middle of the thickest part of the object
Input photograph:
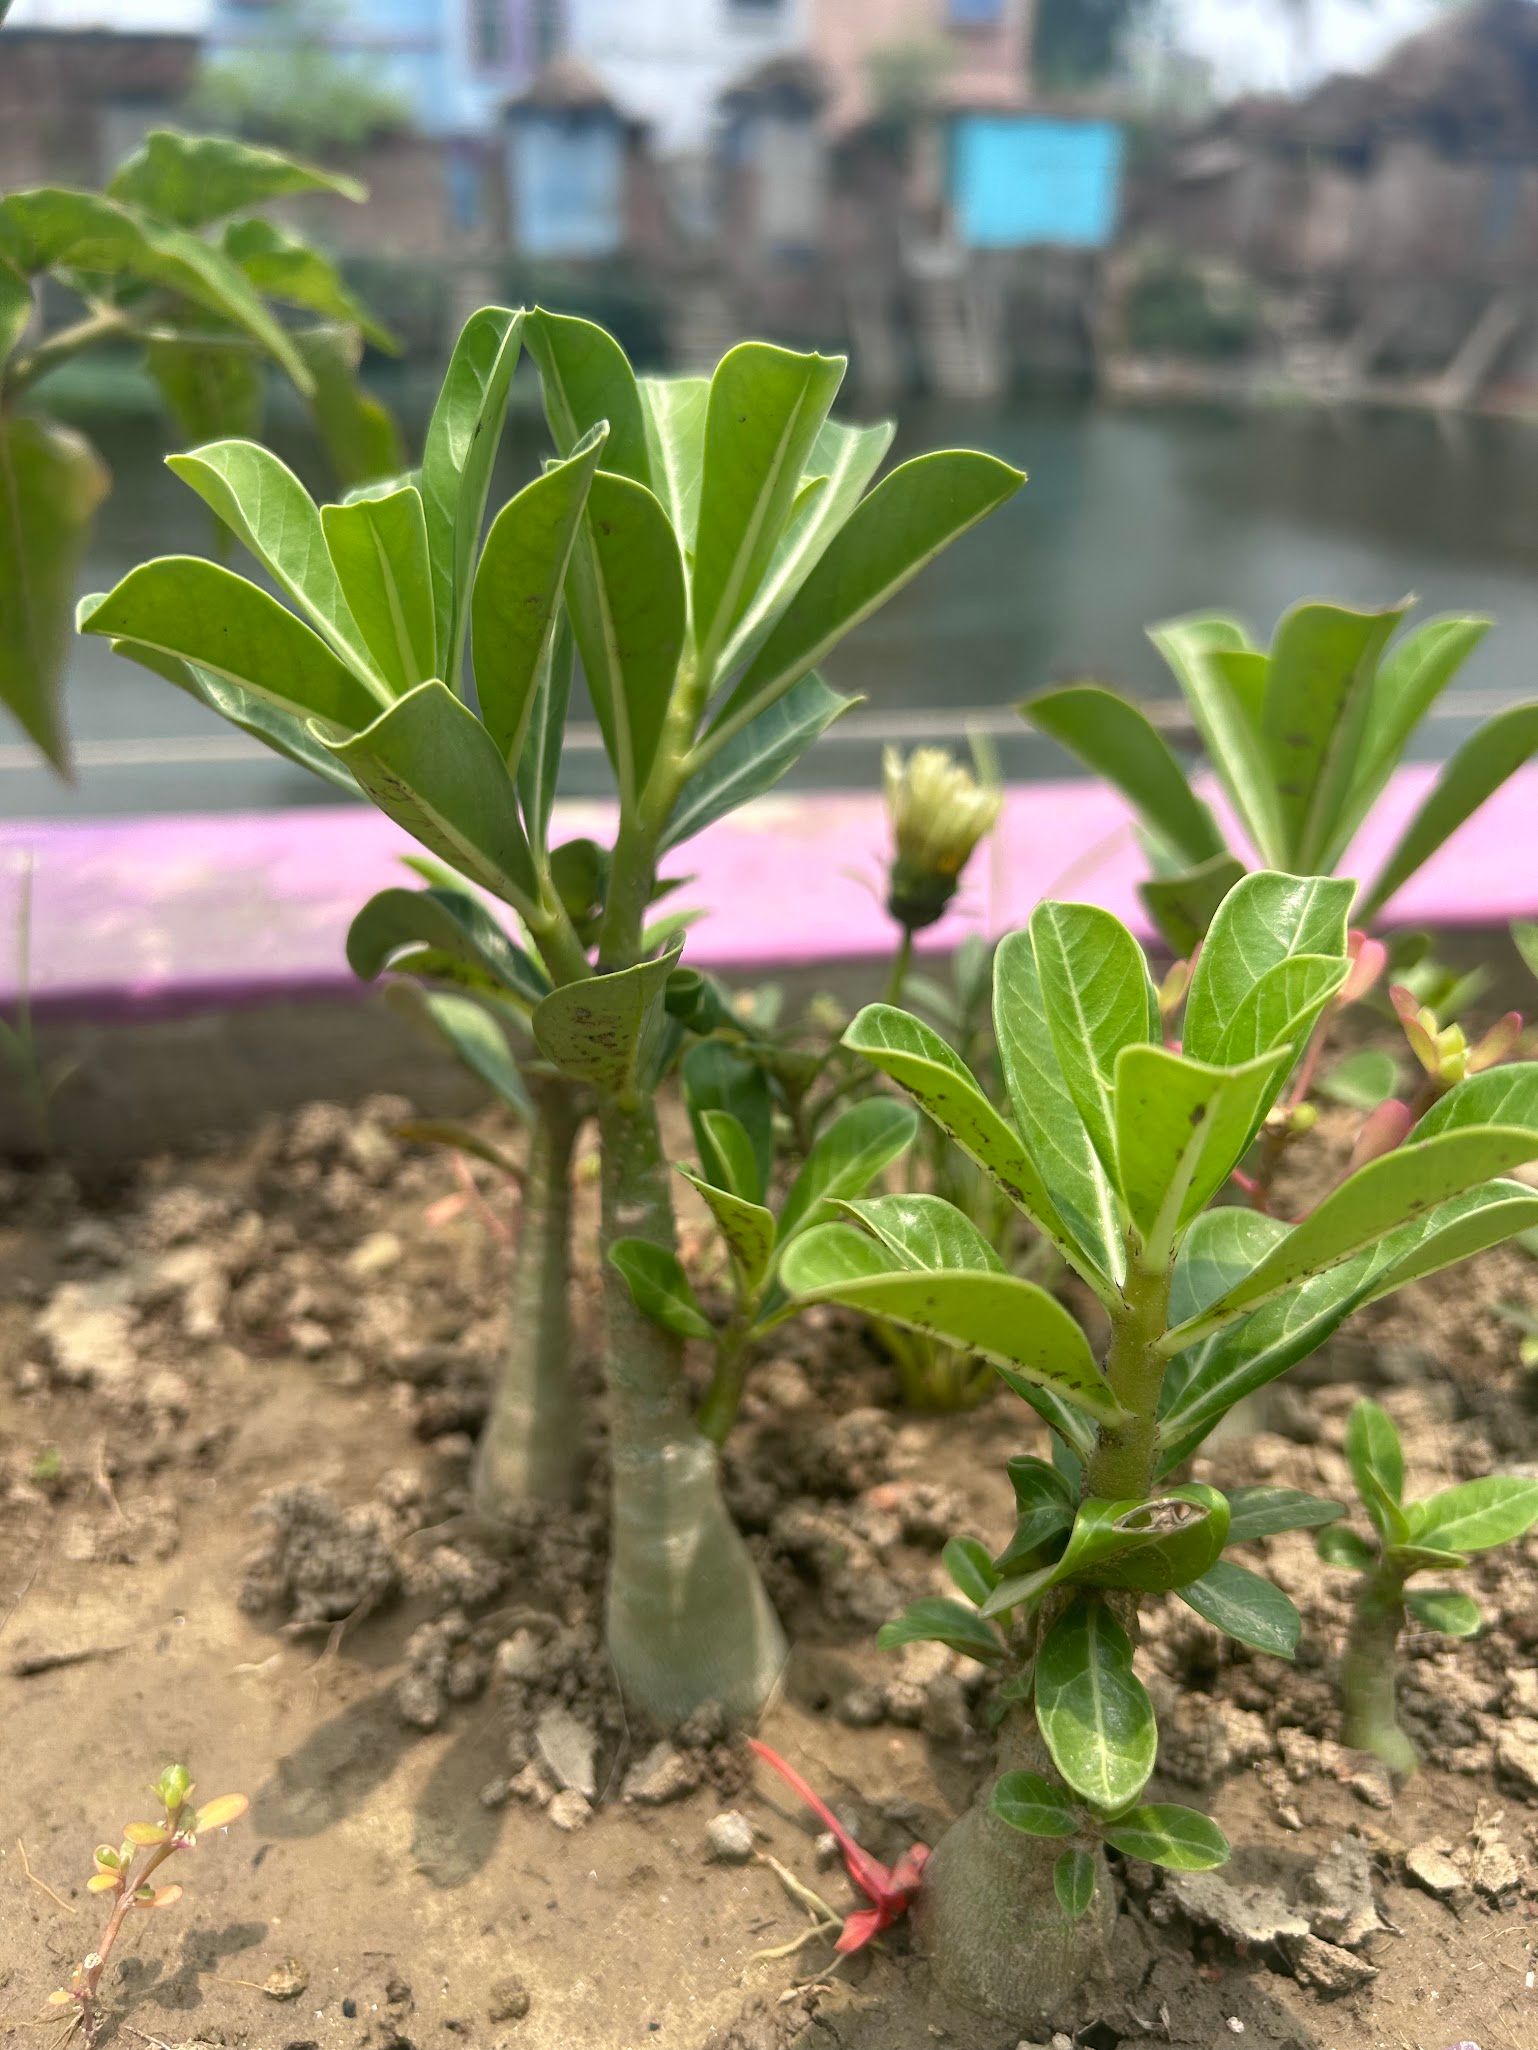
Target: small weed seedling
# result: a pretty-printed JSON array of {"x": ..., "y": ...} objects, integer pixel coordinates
[
  {"x": 1302, "y": 738},
  {"x": 127, "y": 1873},
  {"x": 1119, "y": 1148},
  {"x": 1438, "y": 1535}
]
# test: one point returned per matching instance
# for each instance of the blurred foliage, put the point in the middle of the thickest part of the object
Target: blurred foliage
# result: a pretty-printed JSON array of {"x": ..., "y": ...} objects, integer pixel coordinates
[
  {"x": 296, "y": 91},
  {"x": 1180, "y": 305}
]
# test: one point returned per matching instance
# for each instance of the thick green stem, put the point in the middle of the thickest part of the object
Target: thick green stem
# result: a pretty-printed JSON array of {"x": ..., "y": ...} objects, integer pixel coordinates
[
  {"x": 688, "y": 1617},
  {"x": 1369, "y": 1670},
  {"x": 531, "y": 1448},
  {"x": 68, "y": 342},
  {"x": 1122, "y": 1463},
  {"x": 723, "y": 1398},
  {"x": 987, "y": 1915}
]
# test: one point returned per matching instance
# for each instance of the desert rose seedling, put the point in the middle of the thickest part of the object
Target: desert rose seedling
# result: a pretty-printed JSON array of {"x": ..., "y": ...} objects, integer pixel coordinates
[
  {"x": 1302, "y": 738},
  {"x": 1438, "y": 1535},
  {"x": 126, "y": 1873},
  {"x": 1117, "y": 1150},
  {"x": 709, "y": 541}
]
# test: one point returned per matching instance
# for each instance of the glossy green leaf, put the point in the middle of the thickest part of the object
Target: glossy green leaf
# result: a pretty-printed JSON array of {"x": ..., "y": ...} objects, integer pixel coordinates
[
  {"x": 925, "y": 1232},
  {"x": 1485, "y": 1216},
  {"x": 1181, "y": 1129},
  {"x": 1002, "y": 1318},
  {"x": 1114, "y": 738},
  {"x": 359, "y": 433},
  {"x": 766, "y": 408},
  {"x": 1444, "y": 1609},
  {"x": 726, "y": 1154},
  {"x": 457, "y": 458},
  {"x": 1219, "y": 1249},
  {"x": 284, "y": 266},
  {"x": 1282, "y": 1008},
  {"x": 971, "y": 1570},
  {"x": 595, "y": 1030},
  {"x": 1045, "y": 1503},
  {"x": 1346, "y": 1549},
  {"x": 1478, "y": 768},
  {"x": 448, "y": 923},
  {"x": 1263, "y": 1512},
  {"x": 1242, "y": 1605},
  {"x": 1029, "y": 1801},
  {"x": 625, "y": 589},
  {"x": 429, "y": 764},
  {"x": 1098, "y": 999},
  {"x": 1093, "y": 1710},
  {"x": 539, "y": 765},
  {"x": 586, "y": 379},
  {"x": 673, "y": 413},
  {"x": 1161, "y": 1833},
  {"x": 212, "y": 389},
  {"x": 720, "y": 1077},
  {"x": 1410, "y": 679},
  {"x": 287, "y": 733},
  {"x": 659, "y": 1287},
  {"x": 268, "y": 510},
  {"x": 195, "y": 179},
  {"x": 516, "y": 600},
  {"x": 1477, "y": 1514},
  {"x": 845, "y": 1159},
  {"x": 51, "y": 482},
  {"x": 1228, "y": 731},
  {"x": 182, "y": 606},
  {"x": 938, "y": 1620},
  {"x": 1073, "y": 1881},
  {"x": 15, "y": 307},
  {"x": 378, "y": 548},
  {"x": 1264, "y": 920},
  {"x": 1174, "y": 1538},
  {"x": 1183, "y": 905},
  {"x": 755, "y": 759},
  {"x": 911, "y": 517},
  {"x": 473, "y": 1035},
  {"x": 1375, "y": 1456},
  {"x": 1314, "y": 717}
]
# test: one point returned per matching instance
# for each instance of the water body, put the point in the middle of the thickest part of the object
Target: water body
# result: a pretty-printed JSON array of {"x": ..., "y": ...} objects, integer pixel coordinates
[{"x": 1129, "y": 517}]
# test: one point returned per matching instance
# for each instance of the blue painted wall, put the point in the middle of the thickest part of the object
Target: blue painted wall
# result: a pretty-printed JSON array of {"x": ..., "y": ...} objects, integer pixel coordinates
[
  {"x": 1023, "y": 179},
  {"x": 568, "y": 184}
]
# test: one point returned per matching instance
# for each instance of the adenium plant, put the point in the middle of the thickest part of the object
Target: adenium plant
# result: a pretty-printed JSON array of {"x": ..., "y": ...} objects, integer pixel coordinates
[
  {"x": 1437, "y": 1535},
  {"x": 709, "y": 541},
  {"x": 1302, "y": 738},
  {"x": 1117, "y": 1148},
  {"x": 174, "y": 260}
]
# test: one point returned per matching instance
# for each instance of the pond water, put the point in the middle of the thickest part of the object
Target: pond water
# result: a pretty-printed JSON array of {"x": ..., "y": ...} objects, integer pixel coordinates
[{"x": 1129, "y": 517}]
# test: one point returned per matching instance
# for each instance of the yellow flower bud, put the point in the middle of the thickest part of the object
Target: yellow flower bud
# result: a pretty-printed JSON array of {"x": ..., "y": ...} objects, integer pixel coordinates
[{"x": 939, "y": 812}]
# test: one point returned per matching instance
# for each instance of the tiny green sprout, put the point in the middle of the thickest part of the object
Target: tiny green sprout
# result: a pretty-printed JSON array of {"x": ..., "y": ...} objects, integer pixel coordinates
[
  {"x": 1437, "y": 1535},
  {"x": 48, "y": 1467},
  {"x": 126, "y": 1873}
]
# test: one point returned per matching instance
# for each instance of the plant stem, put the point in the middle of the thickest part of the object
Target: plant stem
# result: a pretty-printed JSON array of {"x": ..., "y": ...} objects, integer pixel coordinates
[
  {"x": 1368, "y": 1672},
  {"x": 83, "y": 334},
  {"x": 723, "y": 1398},
  {"x": 1122, "y": 1463},
  {"x": 121, "y": 1908},
  {"x": 902, "y": 960},
  {"x": 530, "y": 1450}
]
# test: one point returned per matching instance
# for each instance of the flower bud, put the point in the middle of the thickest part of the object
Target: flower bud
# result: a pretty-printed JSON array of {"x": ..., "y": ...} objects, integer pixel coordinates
[
  {"x": 939, "y": 811},
  {"x": 173, "y": 1787}
]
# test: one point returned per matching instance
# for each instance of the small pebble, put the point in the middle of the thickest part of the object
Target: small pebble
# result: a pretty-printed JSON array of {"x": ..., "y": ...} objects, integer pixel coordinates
[
  {"x": 286, "y": 1981},
  {"x": 730, "y": 1838},
  {"x": 509, "y": 2001},
  {"x": 350, "y": 2009}
]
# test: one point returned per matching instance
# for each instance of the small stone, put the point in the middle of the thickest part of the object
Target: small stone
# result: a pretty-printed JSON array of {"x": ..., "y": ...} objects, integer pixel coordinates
[
  {"x": 1516, "y": 1755},
  {"x": 286, "y": 1981},
  {"x": 1326, "y": 1967},
  {"x": 1493, "y": 1870},
  {"x": 825, "y": 1851},
  {"x": 1244, "y": 1914},
  {"x": 496, "y": 1793},
  {"x": 377, "y": 1254},
  {"x": 905, "y": 1702},
  {"x": 1373, "y": 1786},
  {"x": 863, "y": 1707},
  {"x": 350, "y": 2009},
  {"x": 1431, "y": 1867},
  {"x": 397, "y": 1992},
  {"x": 521, "y": 1656},
  {"x": 569, "y": 1810},
  {"x": 730, "y": 1838},
  {"x": 1339, "y": 1888},
  {"x": 664, "y": 1774},
  {"x": 567, "y": 1748},
  {"x": 509, "y": 2000},
  {"x": 530, "y": 1784}
]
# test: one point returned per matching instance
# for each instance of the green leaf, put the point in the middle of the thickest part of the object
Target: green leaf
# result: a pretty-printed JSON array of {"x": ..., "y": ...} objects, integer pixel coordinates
[
  {"x": 1045, "y": 1502},
  {"x": 720, "y": 1077},
  {"x": 540, "y": 764},
  {"x": 1220, "y": 1248},
  {"x": 919, "y": 1061},
  {"x": 1098, "y": 999},
  {"x": 516, "y": 600},
  {"x": 378, "y": 548},
  {"x": 1476, "y": 1515},
  {"x": 1264, "y": 920},
  {"x": 286, "y": 267},
  {"x": 1263, "y": 1512},
  {"x": 1193, "y": 648},
  {"x": 660, "y": 1288},
  {"x": 182, "y": 606},
  {"x": 912, "y": 516},
  {"x": 925, "y": 1232},
  {"x": 1183, "y": 906},
  {"x": 448, "y": 923},
  {"x": 1242, "y": 1605},
  {"x": 1093, "y": 1710},
  {"x": 1445, "y": 1610},
  {"x": 1362, "y": 1080},
  {"x": 629, "y": 610},
  {"x": 766, "y": 408},
  {"x": 358, "y": 432},
  {"x": 1114, "y": 739},
  {"x": 473, "y": 1035},
  {"x": 727, "y": 1155},
  {"x": 1486, "y": 1216},
  {"x": 1344, "y": 1548},
  {"x": 972, "y": 1572},
  {"x": 285, "y": 732},
  {"x": 1282, "y": 1008},
  {"x": 1066, "y": 1190},
  {"x": 1156, "y": 1545},
  {"x": 938, "y": 1620},
  {"x": 195, "y": 179},
  {"x": 1029, "y": 1801},
  {"x": 51, "y": 482},
  {"x": 268, "y": 510},
  {"x": 15, "y": 306},
  {"x": 1314, "y": 717},
  {"x": 1477, "y": 769},
  {"x": 1181, "y": 1129},
  {"x": 586, "y": 379},
  {"x": 429, "y": 764},
  {"x": 1162, "y": 1833},
  {"x": 1073, "y": 1881},
  {"x": 595, "y": 1030},
  {"x": 1409, "y": 681},
  {"x": 457, "y": 459},
  {"x": 755, "y": 759},
  {"x": 211, "y": 389},
  {"x": 673, "y": 413},
  {"x": 1008, "y": 1321},
  {"x": 845, "y": 1159},
  {"x": 1375, "y": 1455}
]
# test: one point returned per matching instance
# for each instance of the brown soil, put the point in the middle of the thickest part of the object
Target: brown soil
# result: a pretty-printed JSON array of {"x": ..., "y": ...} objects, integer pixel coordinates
[{"x": 317, "y": 1314}]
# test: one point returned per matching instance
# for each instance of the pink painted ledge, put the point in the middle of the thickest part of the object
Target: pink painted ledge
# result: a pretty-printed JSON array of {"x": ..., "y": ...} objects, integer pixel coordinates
[{"x": 138, "y": 918}]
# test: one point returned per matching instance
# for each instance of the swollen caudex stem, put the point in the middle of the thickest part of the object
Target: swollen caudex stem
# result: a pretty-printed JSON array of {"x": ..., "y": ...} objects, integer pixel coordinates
[{"x": 1369, "y": 1673}]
